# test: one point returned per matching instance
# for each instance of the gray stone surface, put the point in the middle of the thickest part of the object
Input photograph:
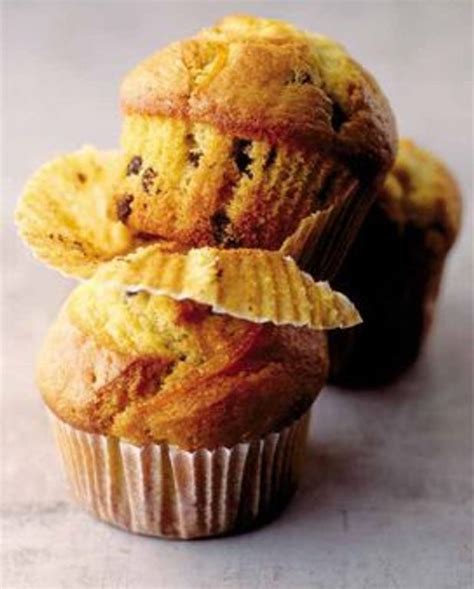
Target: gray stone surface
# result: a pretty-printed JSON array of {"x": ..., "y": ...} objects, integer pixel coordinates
[{"x": 386, "y": 497}]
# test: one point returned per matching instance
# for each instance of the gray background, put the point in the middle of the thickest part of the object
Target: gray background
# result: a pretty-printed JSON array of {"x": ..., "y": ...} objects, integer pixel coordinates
[{"x": 386, "y": 498}]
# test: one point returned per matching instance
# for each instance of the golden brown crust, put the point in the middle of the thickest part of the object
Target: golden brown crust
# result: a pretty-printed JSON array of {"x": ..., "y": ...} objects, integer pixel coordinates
[
  {"x": 255, "y": 381},
  {"x": 294, "y": 89},
  {"x": 420, "y": 190},
  {"x": 189, "y": 182},
  {"x": 246, "y": 129}
]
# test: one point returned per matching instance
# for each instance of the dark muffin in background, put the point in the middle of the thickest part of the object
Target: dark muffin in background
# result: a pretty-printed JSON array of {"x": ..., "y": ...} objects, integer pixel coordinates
[{"x": 394, "y": 270}]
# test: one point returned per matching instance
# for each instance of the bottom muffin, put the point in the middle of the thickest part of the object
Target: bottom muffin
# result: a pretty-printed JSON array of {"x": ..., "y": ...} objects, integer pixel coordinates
[
  {"x": 394, "y": 270},
  {"x": 173, "y": 420}
]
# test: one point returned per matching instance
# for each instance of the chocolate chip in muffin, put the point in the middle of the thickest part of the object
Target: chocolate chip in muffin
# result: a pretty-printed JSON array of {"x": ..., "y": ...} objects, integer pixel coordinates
[
  {"x": 221, "y": 231},
  {"x": 134, "y": 165},
  {"x": 271, "y": 157},
  {"x": 148, "y": 178},
  {"x": 194, "y": 157},
  {"x": 194, "y": 153},
  {"x": 242, "y": 159},
  {"x": 219, "y": 222},
  {"x": 338, "y": 117},
  {"x": 124, "y": 207},
  {"x": 81, "y": 177}
]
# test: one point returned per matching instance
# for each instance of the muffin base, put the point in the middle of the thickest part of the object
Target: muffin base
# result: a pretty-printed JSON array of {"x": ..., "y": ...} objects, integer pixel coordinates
[
  {"x": 163, "y": 490},
  {"x": 393, "y": 275}
]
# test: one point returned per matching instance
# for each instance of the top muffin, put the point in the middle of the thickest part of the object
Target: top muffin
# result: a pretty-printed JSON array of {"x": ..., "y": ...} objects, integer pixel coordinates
[{"x": 234, "y": 136}]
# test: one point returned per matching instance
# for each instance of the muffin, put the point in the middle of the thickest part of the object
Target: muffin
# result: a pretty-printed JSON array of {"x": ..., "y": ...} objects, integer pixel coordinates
[
  {"x": 233, "y": 137},
  {"x": 179, "y": 376},
  {"x": 394, "y": 270},
  {"x": 173, "y": 417}
]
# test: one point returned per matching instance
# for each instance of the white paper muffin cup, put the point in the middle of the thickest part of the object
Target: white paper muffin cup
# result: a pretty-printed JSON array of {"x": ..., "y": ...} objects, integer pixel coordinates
[{"x": 162, "y": 490}]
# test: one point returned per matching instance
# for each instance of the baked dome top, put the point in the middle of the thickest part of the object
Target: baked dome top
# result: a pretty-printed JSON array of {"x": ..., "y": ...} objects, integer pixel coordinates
[
  {"x": 150, "y": 369},
  {"x": 263, "y": 79},
  {"x": 421, "y": 190}
]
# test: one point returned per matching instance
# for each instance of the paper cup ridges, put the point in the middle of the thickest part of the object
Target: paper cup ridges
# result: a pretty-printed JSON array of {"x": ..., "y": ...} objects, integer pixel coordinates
[{"x": 162, "y": 490}]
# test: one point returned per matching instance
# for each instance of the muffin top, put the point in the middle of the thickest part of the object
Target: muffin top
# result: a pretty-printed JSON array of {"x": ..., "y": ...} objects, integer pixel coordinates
[
  {"x": 421, "y": 190},
  {"x": 150, "y": 369},
  {"x": 266, "y": 80},
  {"x": 166, "y": 346}
]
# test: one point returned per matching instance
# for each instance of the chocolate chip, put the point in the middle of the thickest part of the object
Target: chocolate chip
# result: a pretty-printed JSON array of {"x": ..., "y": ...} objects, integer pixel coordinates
[
  {"x": 232, "y": 242},
  {"x": 81, "y": 177},
  {"x": 148, "y": 178},
  {"x": 271, "y": 157},
  {"x": 194, "y": 153},
  {"x": 338, "y": 117},
  {"x": 123, "y": 207},
  {"x": 134, "y": 165},
  {"x": 219, "y": 222},
  {"x": 194, "y": 157},
  {"x": 221, "y": 232},
  {"x": 242, "y": 159}
]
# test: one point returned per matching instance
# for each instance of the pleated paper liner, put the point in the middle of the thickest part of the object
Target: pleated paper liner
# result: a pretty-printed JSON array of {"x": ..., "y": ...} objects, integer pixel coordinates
[
  {"x": 66, "y": 215},
  {"x": 162, "y": 490},
  {"x": 249, "y": 284},
  {"x": 324, "y": 238}
]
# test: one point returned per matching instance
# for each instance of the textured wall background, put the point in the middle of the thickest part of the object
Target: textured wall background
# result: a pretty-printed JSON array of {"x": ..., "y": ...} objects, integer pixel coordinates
[{"x": 387, "y": 496}]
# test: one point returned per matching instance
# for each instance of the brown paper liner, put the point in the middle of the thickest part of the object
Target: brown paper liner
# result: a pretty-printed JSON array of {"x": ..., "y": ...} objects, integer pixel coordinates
[
  {"x": 162, "y": 490},
  {"x": 393, "y": 275},
  {"x": 323, "y": 239}
]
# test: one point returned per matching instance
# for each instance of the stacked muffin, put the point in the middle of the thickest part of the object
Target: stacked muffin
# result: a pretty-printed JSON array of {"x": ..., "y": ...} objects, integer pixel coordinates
[
  {"x": 180, "y": 374},
  {"x": 233, "y": 137}
]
